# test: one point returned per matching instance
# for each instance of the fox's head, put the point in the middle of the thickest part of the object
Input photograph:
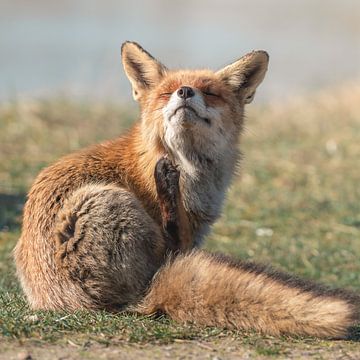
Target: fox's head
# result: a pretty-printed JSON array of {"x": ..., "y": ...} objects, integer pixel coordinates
[{"x": 196, "y": 115}]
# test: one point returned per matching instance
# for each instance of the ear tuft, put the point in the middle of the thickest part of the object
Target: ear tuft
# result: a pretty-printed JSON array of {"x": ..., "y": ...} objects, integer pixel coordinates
[
  {"x": 246, "y": 74},
  {"x": 142, "y": 69}
]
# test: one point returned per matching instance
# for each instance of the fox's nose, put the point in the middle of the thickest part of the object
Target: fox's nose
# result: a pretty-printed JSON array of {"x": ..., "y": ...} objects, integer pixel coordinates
[{"x": 185, "y": 92}]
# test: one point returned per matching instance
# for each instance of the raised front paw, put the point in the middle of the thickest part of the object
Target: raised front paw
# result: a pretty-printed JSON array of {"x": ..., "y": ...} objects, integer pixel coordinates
[{"x": 167, "y": 179}]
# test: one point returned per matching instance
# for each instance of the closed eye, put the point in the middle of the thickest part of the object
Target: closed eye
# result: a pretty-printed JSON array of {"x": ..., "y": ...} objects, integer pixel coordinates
[
  {"x": 167, "y": 94},
  {"x": 208, "y": 93}
]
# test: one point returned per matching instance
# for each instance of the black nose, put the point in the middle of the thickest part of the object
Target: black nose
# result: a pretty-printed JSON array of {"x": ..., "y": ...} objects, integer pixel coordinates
[{"x": 185, "y": 92}]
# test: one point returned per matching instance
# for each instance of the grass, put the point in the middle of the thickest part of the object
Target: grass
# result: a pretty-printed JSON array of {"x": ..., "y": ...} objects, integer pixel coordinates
[{"x": 296, "y": 205}]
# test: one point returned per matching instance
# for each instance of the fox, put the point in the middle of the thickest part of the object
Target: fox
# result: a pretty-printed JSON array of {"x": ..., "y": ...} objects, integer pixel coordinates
[{"x": 119, "y": 225}]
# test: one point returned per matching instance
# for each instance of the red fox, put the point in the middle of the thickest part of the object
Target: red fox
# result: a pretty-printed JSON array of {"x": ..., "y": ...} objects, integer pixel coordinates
[{"x": 118, "y": 226}]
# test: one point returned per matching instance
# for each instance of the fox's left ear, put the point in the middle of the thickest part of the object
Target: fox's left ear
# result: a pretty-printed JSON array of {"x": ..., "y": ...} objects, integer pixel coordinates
[
  {"x": 142, "y": 69},
  {"x": 245, "y": 74}
]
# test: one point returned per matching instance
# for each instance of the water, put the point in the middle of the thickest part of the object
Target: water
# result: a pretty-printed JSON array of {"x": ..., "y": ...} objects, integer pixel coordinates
[{"x": 73, "y": 47}]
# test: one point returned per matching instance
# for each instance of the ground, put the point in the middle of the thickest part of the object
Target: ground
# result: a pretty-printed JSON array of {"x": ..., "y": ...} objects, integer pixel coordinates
[{"x": 295, "y": 204}]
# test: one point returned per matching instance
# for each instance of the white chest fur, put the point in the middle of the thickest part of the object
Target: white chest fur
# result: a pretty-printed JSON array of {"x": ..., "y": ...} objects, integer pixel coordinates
[{"x": 203, "y": 190}]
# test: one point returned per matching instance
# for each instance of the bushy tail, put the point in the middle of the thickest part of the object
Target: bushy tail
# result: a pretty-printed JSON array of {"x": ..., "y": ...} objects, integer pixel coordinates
[{"x": 212, "y": 290}]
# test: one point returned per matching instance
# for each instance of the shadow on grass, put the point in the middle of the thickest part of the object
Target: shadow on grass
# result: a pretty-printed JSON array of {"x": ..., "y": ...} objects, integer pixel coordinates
[
  {"x": 354, "y": 333},
  {"x": 11, "y": 206}
]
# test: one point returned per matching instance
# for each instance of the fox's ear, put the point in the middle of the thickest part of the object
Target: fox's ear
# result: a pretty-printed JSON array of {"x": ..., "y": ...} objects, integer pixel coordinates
[
  {"x": 245, "y": 74},
  {"x": 141, "y": 68}
]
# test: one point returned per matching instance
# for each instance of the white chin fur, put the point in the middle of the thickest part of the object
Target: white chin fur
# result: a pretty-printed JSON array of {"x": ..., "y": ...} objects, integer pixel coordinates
[{"x": 185, "y": 117}]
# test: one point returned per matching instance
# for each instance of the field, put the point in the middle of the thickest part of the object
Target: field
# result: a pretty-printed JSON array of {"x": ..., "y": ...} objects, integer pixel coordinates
[{"x": 295, "y": 204}]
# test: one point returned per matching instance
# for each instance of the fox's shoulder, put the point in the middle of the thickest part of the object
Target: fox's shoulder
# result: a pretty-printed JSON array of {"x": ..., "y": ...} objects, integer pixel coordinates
[{"x": 122, "y": 162}]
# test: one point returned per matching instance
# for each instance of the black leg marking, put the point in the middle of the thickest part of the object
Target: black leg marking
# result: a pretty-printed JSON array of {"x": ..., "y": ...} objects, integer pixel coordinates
[{"x": 167, "y": 185}]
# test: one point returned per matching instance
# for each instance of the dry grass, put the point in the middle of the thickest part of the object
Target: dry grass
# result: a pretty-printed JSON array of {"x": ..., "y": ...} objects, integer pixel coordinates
[{"x": 35, "y": 133}]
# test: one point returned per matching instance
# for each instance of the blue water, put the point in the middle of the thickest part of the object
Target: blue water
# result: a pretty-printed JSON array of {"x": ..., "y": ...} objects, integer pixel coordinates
[{"x": 73, "y": 47}]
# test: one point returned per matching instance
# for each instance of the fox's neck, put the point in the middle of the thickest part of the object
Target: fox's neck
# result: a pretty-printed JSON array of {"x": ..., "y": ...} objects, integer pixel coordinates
[{"x": 205, "y": 178}]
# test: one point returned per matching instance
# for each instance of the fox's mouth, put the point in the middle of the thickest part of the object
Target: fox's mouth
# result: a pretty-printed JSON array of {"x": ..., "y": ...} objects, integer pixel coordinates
[{"x": 187, "y": 107}]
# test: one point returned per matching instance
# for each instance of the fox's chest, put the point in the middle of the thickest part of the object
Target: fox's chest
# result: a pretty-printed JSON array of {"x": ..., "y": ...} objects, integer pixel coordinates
[{"x": 203, "y": 197}]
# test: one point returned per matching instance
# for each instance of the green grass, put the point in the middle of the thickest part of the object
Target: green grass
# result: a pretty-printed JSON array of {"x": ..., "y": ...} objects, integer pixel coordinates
[{"x": 296, "y": 205}]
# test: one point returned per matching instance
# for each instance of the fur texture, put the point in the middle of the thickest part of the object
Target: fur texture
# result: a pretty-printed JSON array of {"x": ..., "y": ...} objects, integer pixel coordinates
[
  {"x": 218, "y": 291},
  {"x": 99, "y": 224}
]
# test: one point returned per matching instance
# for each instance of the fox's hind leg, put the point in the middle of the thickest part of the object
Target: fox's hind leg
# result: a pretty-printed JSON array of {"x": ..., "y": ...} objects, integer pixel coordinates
[
  {"x": 107, "y": 246},
  {"x": 175, "y": 222}
]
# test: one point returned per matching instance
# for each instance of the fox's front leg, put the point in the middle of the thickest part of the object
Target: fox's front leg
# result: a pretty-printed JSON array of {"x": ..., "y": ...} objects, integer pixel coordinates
[{"x": 174, "y": 218}]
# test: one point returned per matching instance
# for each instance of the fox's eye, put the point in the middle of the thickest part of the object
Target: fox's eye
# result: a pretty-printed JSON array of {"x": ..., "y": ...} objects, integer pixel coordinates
[
  {"x": 165, "y": 95},
  {"x": 209, "y": 93}
]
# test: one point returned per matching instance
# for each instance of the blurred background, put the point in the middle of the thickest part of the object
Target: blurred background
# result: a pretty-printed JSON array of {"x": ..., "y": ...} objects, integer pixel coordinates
[
  {"x": 297, "y": 201},
  {"x": 73, "y": 46}
]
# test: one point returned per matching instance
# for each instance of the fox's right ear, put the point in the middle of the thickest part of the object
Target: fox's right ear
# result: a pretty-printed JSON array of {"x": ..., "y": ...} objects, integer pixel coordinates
[{"x": 142, "y": 69}]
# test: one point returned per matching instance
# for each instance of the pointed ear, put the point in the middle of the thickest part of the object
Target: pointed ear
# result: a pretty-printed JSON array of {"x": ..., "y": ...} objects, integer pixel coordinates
[
  {"x": 141, "y": 68},
  {"x": 245, "y": 74}
]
